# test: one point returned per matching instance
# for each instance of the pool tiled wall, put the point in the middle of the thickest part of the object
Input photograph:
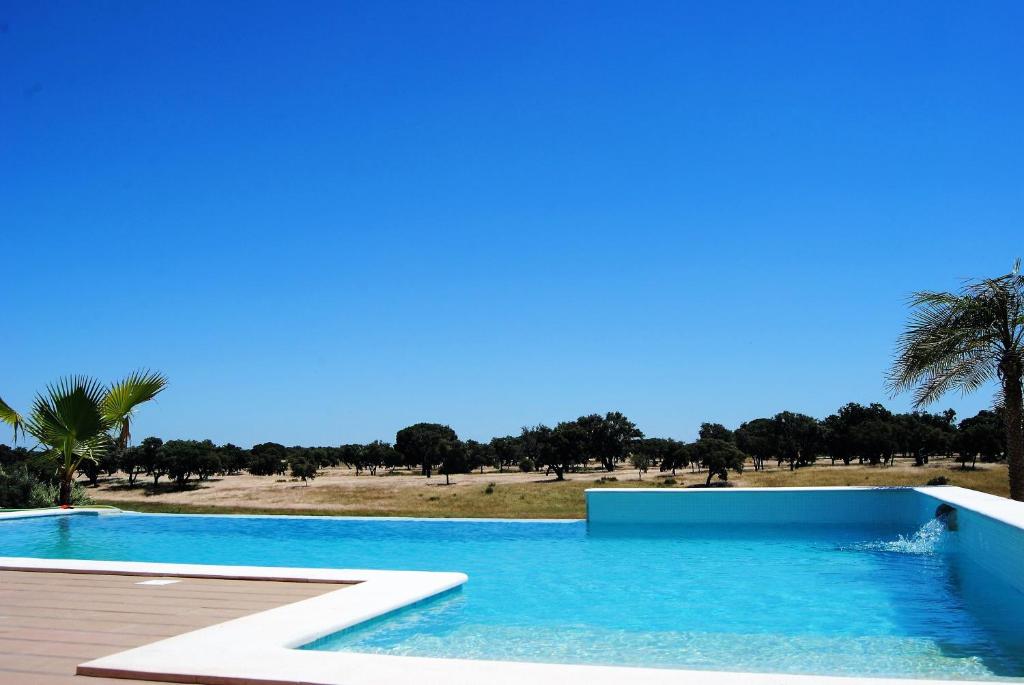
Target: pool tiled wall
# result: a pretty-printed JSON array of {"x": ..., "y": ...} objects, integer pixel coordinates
[
  {"x": 891, "y": 506},
  {"x": 990, "y": 529}
]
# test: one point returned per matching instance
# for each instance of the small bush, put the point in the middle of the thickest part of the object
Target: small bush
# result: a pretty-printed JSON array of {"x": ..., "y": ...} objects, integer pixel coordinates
[
  {"x": 489, "y": 490},
  {"x": 526, "y": 465},
  {"x": 938, "y": 480},
  {"x": 607, "y": 479},
  {"x": 669, "y": 481},
  {"x": 47, "y": 494},
  {"x": 20, "y": 489},
  {"x": 16, "y": 486}
]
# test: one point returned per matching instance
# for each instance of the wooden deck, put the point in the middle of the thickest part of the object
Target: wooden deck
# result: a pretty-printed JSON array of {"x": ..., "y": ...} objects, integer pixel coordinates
[{"x": 51, "y": 622}]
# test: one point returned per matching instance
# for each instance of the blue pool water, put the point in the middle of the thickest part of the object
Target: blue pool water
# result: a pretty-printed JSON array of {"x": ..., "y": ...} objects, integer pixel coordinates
[{"x": 799, "y": 599}]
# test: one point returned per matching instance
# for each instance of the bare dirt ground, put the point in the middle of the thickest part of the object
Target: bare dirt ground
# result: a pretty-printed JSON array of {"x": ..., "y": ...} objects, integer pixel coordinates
[{"x": 514, "y": 494}]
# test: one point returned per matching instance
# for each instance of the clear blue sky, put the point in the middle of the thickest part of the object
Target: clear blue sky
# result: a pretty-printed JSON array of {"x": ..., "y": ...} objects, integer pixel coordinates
[{"x": 325, "y": 221}]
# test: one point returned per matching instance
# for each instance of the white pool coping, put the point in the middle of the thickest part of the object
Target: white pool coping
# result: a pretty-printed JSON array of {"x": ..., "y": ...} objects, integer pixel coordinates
[
  {"x": 1008, "y": 511},
  {"x": 38, "y": 513},
  {"x": 262, "y": 647}
]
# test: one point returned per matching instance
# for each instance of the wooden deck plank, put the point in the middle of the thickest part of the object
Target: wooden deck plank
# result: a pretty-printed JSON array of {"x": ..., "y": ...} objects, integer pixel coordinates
[
  {"x": 50, "y": 622},
  {"x": 57, "y": 679},
  {"x": 57, "y": 603},
  {"x": 155, "y": 630},
  {"x": 142, "y": 615},
  {"x": 113, "y": 589}
]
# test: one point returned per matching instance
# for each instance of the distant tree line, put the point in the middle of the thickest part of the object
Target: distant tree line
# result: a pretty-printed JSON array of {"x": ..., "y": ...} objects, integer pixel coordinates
[{"x": 868, "y": 434}]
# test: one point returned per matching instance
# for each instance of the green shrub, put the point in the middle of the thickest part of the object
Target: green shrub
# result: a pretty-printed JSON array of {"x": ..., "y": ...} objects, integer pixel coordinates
[
  {"x": 526, "y": 465},
  {"x": 489, "y": 490},
  {"x": 16, "y": 484},
  {"x": 43, "y": 495},
  {"x": 939, "y": 480},
  {"x": 48, "y": 494},
  {"x": 20, "y": 488}
]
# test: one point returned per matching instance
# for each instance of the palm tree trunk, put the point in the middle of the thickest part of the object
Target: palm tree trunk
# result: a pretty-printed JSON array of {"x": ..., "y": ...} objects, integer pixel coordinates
[
  {"x": 65, "y": 489},
  {"x": 1014, "y": 435}
]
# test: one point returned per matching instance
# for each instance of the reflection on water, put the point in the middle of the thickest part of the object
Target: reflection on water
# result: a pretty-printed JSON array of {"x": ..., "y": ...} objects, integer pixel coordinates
[{"x": 62, "y": 538}]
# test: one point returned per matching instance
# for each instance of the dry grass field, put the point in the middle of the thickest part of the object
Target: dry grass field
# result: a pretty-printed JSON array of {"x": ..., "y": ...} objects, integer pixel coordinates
[{"x": 516, "y": 495}]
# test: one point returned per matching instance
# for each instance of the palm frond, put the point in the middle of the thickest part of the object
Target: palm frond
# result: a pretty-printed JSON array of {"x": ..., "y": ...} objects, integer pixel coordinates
[
  {"x": 957, "y": 341},
  {"x": 68, "y": 413},
  {"x": 124, "y": 396},
  {"x": 93, "y": 449},
  {"x": 9, "y": 416},
  {"x": 965, "y": 376},
  {"x": 48, "y": 458}
]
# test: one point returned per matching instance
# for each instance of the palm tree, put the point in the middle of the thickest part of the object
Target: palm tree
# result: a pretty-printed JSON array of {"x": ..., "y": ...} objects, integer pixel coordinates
[
  {"x": 960, "y": 341},
  {"x": 79, "y": 419}
]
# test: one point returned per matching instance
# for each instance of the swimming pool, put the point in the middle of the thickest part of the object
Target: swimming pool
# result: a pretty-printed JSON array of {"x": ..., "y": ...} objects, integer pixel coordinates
[{"x": 872, "y": 596}]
